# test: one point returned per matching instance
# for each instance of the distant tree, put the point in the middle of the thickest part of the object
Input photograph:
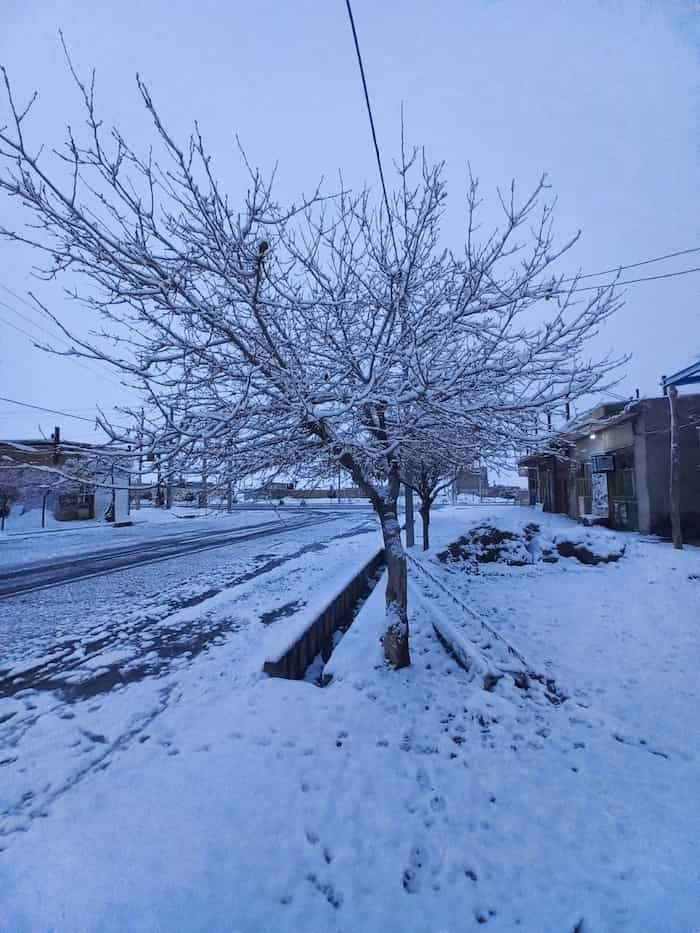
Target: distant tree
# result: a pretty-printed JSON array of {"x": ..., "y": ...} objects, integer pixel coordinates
[
  {"x": 9, "y": 494},
  {"x": 323, "y": 331}
]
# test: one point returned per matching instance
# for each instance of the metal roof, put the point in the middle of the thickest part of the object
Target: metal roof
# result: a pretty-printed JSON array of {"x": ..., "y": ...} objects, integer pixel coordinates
[{"x": 684, "y": 377}]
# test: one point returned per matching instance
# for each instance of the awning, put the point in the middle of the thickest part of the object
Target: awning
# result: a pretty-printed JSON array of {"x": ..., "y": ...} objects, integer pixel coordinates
[{"x": 684, "y": 377}]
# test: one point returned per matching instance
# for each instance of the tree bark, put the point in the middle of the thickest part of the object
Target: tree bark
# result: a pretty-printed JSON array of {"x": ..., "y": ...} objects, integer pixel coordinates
[
  {"x": 674, "y": 487},
  {"x": 395, "y": 640},
  {"x": 410, "y": 523},
  {"x": 425, "y": 518}
]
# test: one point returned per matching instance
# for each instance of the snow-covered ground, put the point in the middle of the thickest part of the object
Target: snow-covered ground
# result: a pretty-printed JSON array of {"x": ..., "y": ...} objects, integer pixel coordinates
[
  {"x": 170, "y": 785},
  {"x": 73, "y": 539},
  {"x": 29, "y": 523}
]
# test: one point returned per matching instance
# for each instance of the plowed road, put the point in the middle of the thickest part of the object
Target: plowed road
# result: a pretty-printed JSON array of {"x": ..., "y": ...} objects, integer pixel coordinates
[{"x": 54, "y": 572}]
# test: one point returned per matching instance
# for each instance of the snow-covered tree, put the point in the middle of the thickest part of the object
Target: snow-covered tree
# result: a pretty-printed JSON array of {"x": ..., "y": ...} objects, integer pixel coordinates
[{"x": 328, "y": 330}]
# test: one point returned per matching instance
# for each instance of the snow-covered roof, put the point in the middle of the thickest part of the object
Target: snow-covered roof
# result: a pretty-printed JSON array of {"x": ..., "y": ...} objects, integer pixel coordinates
[{"x": 36, "y": 445}]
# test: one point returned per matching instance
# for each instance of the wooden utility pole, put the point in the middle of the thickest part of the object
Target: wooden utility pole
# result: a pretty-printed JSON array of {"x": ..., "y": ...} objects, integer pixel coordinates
[
  {"x": 204, "y": 494},
  {"x": 137, "y": 497},
  {"x": 675, "y": 483},
  {"x": 169, "y": 491}
]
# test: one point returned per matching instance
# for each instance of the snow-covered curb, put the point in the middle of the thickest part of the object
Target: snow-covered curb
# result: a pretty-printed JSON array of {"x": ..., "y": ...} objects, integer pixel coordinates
[{"x": 305, "y": 620}]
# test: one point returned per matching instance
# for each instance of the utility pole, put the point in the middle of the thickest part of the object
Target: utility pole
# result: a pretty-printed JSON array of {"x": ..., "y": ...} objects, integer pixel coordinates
[
  {"x": 160, "y": 502},
  {"x": 56, "y": 438},
  {"x": 137, "y": 497},
  {"x": 169, "y": 476},
  {"x": 674, "y": 486},
  {"x": 43, "y": 507},
  {"x": 204, "y": 495}
]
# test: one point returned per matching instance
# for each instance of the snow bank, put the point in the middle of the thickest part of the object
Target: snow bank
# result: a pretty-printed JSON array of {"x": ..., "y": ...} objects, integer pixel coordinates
[
  {"x": 203, "y": 798},
  {"x": 360, "y": 650}
]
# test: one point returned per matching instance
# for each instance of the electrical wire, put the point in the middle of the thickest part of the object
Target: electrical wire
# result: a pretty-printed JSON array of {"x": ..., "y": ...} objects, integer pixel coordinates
[
  {"x": 371, "y": 123},
  {"x": 633, "y": 265},
  {"x": 49, "y": 333},
  {"x": 51, "y": 411},
  {"x": 57, "y": 338},
  {"x": 648, "y": 278}
]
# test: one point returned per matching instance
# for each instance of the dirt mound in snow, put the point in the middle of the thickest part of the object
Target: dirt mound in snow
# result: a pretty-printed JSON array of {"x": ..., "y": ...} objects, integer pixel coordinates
[{"x": 486, "y": 544}]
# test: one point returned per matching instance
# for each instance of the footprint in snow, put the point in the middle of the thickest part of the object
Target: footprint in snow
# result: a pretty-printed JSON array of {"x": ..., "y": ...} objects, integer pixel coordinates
[
  {"x": 411, "y": 879},
  {"x": 334, "y": 898}
]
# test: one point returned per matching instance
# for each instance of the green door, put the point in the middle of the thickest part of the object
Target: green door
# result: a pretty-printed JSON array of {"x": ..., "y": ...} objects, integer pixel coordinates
[{"x": 622, "y": 492}]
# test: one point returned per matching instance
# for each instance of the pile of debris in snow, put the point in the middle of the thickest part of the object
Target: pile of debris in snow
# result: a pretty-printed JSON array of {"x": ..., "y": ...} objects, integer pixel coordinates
[{"x": 485, "y": 544}]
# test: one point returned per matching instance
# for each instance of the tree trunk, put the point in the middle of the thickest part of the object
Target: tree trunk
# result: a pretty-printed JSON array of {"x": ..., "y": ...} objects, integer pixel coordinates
[
  {"x": 425, "y": 518},
  {"x": 674, "y": 488},
  {"x": 395, "y": 638},
  {"x": 410, "y": 524}
]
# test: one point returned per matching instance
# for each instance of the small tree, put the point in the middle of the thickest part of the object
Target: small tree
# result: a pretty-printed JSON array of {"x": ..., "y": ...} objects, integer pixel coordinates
[
  {"x": 299, "y": 334},
  {"x": 8, "y": 495}
]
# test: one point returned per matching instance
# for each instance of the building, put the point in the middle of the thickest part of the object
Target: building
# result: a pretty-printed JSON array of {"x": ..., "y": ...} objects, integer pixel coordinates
[
  {"x": 472, "y": 479},
  {"x": 612, "y": 466},
  {"x": 70, "y": 480}
]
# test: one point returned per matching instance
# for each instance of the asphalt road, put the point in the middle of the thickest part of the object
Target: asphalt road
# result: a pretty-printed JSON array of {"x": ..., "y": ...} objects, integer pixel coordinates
[{"x": 54, "y": 572}]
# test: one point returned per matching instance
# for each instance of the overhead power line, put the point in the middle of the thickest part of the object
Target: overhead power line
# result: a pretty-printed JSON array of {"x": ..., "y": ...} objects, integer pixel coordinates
[
  {"x": 55, "y": 411},
  {"x": 647, "y": 278},
  {"x": 33, "y": 338},
  {"x": 29, "y": 320},
  {"x": 60, "y": 340},
  {"x": 371, "y": 123},
  {"x": 51, "y": 411},
  {"x": 633, "y": 265}
]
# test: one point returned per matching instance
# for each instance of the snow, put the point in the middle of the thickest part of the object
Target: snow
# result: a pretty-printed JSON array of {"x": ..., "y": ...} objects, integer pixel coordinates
[
  {"x": 354, "y": 560},
  {"x": 73, "y": 539},
  {"x": 203, "y": 795}
]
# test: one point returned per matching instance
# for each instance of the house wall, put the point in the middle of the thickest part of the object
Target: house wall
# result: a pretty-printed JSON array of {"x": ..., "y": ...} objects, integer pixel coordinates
[
  {"x": 606, "y": 440},
  {"x": 33, "y": 472},
  {"x": 647, "y": 433},
  {"x": 35, "y": 483},
  {"x": 614, "y": 438},
  {"x": 655, "y": 429}
]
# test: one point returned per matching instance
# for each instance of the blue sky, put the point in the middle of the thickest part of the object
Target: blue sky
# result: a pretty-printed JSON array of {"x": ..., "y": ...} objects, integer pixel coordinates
[{"x": 604, "y": 96}]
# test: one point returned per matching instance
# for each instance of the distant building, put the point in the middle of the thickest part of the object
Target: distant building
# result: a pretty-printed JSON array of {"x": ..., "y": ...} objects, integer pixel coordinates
[
  {"x": 472, "y": 479},
  {"x": 612, "y": 466},
  {"x": 70, "y": 480},
  {"x": 294, "y": 491}
]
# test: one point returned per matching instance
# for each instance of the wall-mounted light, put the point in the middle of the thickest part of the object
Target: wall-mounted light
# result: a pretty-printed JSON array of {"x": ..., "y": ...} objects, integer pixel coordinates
[{"x": 592, "y": 436}]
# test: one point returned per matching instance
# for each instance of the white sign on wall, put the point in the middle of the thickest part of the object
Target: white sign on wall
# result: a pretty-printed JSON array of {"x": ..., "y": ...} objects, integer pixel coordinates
[
  {"x": 601, "y": 507},
  {"x": 121, "y": 494}
]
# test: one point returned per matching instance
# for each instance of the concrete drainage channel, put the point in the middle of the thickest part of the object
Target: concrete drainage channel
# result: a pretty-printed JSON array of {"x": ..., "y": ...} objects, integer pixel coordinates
[{"x": 318, "y": 640}]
